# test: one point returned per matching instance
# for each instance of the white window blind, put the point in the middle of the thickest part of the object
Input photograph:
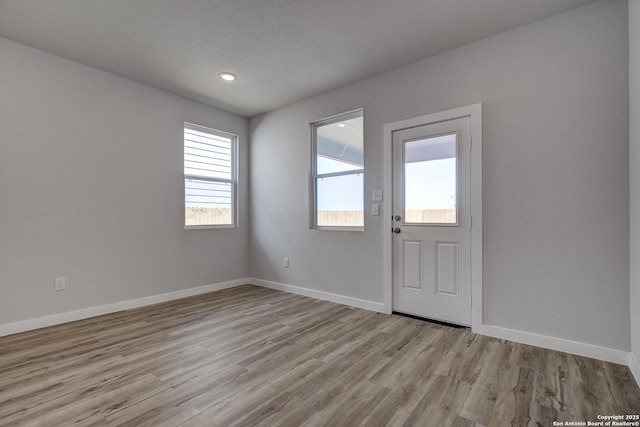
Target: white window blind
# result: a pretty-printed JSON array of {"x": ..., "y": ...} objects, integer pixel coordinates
[{"x": 209, "y": 177}]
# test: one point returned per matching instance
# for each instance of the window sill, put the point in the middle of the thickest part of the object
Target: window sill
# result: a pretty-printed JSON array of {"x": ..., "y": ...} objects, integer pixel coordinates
[
  {"x": 208, "y": 227},
  {"x": 333, "y": 228}
]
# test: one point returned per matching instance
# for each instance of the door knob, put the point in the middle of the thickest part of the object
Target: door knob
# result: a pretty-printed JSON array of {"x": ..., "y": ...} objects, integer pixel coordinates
[
  {"x": 396, "y": 230},
  {"x": 397, "y": 217}
]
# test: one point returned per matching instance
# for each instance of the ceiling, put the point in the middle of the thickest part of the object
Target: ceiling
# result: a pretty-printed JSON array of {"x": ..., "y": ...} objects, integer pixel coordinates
[
  {"x": 344, "y": 132},
  {"x": 281, "y": 50}
]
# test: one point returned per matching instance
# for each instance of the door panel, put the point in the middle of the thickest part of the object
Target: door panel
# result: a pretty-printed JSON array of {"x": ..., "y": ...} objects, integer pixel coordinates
[
  {"x": 447, "y": 268},
  {"x": 413, "y": 265},
  {"x": 431, "y": 208}
]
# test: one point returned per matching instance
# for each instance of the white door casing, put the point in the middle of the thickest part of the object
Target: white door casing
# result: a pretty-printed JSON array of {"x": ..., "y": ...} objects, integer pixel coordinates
[{"x": 444, "y": 260}]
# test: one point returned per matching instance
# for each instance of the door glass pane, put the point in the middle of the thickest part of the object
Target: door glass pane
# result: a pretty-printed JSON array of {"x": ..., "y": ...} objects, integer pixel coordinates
[
  {"x": 430, "y": 180},
  {"x": 340, "y": 201}
]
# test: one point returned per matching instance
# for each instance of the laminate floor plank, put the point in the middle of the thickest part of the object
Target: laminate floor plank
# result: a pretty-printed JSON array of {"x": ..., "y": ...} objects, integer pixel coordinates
[{"x": 250, "y": 356}]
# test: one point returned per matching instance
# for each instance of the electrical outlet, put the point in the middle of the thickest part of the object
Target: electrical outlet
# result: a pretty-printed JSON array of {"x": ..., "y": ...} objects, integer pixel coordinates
[
  {"x": 285, "y": 263},
  {"x": 59, "y": 284}
]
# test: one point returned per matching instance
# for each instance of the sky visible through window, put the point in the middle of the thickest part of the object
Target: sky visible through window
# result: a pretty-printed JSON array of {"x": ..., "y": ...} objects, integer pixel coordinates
[
  {"x": 339, "y": 193},
  {"x": 428, "y": 187},
  {"x": 430, "y": 184}
]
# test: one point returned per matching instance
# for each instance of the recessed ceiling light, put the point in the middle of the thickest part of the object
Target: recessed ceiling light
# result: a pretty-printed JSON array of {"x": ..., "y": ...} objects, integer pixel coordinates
[
  {"x": 227, "y": 76},
  {"x": 341, "y": 125}
]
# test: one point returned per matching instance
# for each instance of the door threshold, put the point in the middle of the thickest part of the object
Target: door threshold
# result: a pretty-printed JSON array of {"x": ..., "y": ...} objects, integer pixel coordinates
[{"x": 426, "y": 319}]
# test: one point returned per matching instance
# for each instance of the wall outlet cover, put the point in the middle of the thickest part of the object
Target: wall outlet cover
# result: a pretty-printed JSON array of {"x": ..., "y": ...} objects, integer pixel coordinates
[{"x": 59, "y": 284}]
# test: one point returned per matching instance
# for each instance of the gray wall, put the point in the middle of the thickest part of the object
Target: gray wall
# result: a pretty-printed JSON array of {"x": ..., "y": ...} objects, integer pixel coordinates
[
  {"x": 91, "y": 189},
  {"x": 91, "y": 181},
  {"x": 555, "y": 182},
  {"x": 634, "y": 142}
]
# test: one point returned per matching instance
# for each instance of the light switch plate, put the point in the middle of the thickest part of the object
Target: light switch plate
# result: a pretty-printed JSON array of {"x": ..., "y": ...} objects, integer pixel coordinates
[
  {"x": 375, "y": 209},
  {"x": 376, "y": 196}
]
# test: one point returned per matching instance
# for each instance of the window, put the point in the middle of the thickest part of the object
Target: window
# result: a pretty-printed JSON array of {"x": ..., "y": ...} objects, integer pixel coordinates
[
  {"x": 430, "y": 180},
  {"x": 338, "y": 172},
  {"x": 210, "y": 177}
]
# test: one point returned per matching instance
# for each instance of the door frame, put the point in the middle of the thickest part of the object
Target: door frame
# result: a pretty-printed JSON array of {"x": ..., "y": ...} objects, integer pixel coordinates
[{"x": 475, "y": 113}]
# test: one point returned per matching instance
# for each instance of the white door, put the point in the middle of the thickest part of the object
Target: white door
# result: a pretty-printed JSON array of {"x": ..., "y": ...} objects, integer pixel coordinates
[{"x": 431, "y": 221}]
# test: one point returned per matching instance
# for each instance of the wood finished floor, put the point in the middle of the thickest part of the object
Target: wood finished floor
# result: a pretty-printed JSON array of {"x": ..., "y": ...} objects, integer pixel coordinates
[{"x": 251, "y": 356}]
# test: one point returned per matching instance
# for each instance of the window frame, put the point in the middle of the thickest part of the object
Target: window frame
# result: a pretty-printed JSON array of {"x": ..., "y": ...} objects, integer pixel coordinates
[
  {"x": 233, "y": 181},
  {"x": 314, "y": 176}
]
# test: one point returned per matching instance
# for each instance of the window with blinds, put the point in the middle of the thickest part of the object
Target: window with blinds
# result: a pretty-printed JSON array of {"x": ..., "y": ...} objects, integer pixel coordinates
[{"x": 210, "y": 177}]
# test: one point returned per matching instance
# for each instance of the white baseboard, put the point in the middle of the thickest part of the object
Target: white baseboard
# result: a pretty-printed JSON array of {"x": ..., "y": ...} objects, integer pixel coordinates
[
  {"x": 559, "y": 344},
  {"x": 325, "y": 296},
  {"x": 56, "y": 319},
  {"x": 552, "y": 343},
  {"x": 573, "y": 347},
  {"x": 634, "y": 367}
]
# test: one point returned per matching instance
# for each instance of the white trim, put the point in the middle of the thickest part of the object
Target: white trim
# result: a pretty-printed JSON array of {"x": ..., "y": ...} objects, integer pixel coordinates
[
  {"x": 70, "y": 316},
  {"x": 552, "y": 343},
  {"x": 558, "y": 344},
  {"x": 573, "y": 347},
  {"x": 634, "y": 367},
  {"x": 337, "y": 228},
  {"x": 325, "y": 296},
  {"x": 475, "y": 113}
]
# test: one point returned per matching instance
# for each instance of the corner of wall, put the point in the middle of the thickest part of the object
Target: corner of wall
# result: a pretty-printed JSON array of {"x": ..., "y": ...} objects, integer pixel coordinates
[
  {"x": 634, "y": 185},
  {"x": 634, "y": 367}
]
